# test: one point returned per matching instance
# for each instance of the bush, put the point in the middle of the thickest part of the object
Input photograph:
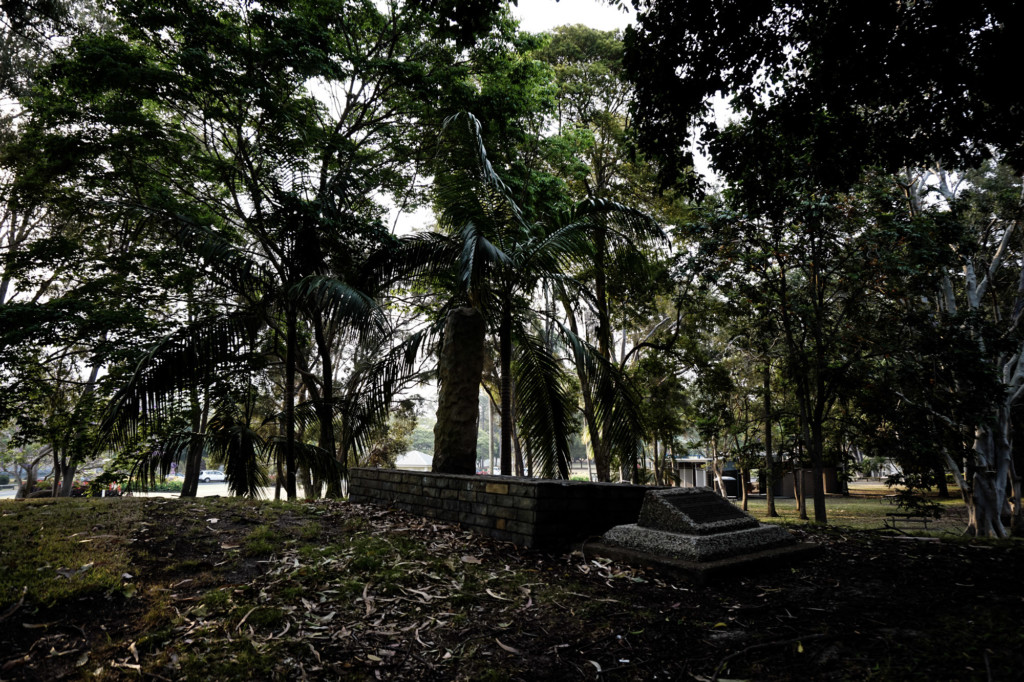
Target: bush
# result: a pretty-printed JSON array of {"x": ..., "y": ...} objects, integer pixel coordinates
[
  {"x": 4, "y": 479},
  {"x": 166, "y": 487}
]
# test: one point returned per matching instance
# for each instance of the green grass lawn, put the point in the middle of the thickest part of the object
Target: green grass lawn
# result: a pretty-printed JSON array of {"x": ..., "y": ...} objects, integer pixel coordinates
[{"x": 865, "y": 508}]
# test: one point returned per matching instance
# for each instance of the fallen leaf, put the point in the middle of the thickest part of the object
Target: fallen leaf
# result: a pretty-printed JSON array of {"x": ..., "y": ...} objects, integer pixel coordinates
[
  {"x": 467, "y": 559},
  {"x": 510, "y": 649}
]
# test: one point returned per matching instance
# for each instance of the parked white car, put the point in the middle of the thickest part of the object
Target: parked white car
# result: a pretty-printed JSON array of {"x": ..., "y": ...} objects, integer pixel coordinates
[{"x": 207, "y": 475}]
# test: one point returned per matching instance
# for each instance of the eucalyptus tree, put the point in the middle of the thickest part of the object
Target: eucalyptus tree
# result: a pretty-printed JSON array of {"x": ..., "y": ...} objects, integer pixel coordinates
[
  {"x": 593, "y": 153},
  {"x": 971, "y": 345}
]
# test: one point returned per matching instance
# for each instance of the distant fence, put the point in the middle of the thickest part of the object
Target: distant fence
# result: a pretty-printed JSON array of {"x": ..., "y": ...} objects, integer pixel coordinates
[{"x": 531, "y": 512}]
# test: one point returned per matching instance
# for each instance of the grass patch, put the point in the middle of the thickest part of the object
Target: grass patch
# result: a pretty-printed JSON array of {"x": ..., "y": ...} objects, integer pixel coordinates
[
  {"x": 262, "y": 541},
  {"x": 41, "y": 558},
  {"x": 860, "y": 511}
]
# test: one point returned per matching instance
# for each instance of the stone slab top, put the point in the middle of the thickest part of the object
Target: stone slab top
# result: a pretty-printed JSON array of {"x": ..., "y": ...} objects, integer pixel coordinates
[{"x": 695, "y": 511}]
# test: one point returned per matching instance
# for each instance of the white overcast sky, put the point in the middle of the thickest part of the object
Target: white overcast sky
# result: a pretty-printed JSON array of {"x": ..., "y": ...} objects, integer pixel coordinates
[
  {"x": 541, "y": 15},
  {"x": 536, "y": 16}
]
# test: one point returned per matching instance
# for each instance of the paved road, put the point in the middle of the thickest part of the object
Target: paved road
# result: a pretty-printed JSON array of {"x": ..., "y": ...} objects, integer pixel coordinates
[{"x": 205, "y": 490}]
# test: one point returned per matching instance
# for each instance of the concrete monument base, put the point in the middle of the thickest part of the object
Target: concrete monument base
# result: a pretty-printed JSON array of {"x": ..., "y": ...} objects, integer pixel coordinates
[{"x": 695, "y": 532}]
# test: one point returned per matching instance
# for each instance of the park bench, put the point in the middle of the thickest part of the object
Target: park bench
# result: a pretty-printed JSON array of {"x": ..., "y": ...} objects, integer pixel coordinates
[{"x": 892, "y": 520}]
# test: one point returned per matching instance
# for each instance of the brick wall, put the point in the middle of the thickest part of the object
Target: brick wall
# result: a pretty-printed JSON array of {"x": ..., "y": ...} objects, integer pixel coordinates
[{"x": 531, "y": 512}]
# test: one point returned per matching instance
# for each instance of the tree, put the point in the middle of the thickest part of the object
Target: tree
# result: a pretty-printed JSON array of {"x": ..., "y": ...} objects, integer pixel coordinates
[
  {"x": 882, "y": 85},
  {"x": 204, "y": 123},
  {"x": 973, "y": 349},
  {"x": 830, "y": 273},
  {"x": 489, "y": 256},
  {"x": 594, "y": 154}
]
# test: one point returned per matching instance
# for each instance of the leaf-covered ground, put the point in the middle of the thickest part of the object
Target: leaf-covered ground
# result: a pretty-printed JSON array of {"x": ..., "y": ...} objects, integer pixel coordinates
[{"x": 230, "y": 589}]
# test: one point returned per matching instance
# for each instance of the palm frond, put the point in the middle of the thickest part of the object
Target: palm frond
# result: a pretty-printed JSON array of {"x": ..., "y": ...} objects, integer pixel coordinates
[
  {"x": 628, "y": 224},
  {"x": 192, "y": 356},
  {"x": 480, "y": 257},
  {"x": 321, "y": 464},
  {"x": 544, "y": 405},
  {"x": 156, "y": 463},
  {"x": 229, "y": 264},
  {"x": 410, "y": 257},
  {"x": 340, "y": 302},
  {"x": 617, "y": 402},
  {"x": 488, "y": 175},
  {"x": 558, "y": 251},
  {"x": 371, "y": 387},
  {"x": 244, "y": 452}
]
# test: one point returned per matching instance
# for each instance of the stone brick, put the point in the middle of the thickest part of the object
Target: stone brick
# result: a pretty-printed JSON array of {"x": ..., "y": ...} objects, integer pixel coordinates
[
  {"x": 502, "y": 512},
  {"x": 526, "y": 516}
]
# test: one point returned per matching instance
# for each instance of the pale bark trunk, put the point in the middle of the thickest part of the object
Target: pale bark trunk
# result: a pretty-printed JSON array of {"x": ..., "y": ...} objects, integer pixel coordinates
[{"x": 769, "y": 459}]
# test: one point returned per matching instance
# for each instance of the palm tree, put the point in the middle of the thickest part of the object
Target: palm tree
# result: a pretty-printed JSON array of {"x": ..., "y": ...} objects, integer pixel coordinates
[
  {"x": 489, "y": 256},
  {"x": 270, "y": 294}
]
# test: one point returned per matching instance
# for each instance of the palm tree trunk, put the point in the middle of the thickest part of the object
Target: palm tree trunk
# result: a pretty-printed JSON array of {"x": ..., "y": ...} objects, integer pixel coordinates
[
  {"x": 505, "y": 358},
  {"x": 290, "y": 361},
  {"x": 769, "y": 459},
  {"x": 325, "y": 408},
  {"x": 600, "y": 455}
]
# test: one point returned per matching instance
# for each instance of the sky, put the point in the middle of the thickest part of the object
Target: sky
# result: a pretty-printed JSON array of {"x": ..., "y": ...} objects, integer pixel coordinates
[{"x": 540, "y": 15}]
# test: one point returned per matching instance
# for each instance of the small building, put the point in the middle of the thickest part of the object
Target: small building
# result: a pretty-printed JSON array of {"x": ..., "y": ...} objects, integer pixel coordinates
[
  {"x": 414, "y": 460},
  {"x": 693, "y": 471}
]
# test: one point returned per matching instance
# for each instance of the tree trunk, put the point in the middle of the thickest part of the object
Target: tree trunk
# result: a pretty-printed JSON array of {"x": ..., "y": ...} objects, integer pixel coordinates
[
  {"x": 290, "y": 362},
  {"x": 194, "y": 458},
  {"x": 304, "y": 478},
  {"x": 458, "y": 406},
  {"x": 716, "y": 470},
  {"x": 505, "y": 358},
  {"x": 490, "y": 435},
  {"x": 325, "y": 410},
  {"x": 769, "y": 458},
  {"x": 940, "y": 480},
  {"x": 745, "y": 483},
  {"x": 600, "y": 454}
]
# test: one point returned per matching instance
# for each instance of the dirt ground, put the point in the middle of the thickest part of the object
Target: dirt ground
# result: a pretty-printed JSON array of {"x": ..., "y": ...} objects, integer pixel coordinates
[{"x": 331, "y": 590}]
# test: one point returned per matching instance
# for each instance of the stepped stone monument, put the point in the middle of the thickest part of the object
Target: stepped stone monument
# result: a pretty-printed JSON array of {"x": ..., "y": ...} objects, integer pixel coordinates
[{"x": 697, "y": 532}]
